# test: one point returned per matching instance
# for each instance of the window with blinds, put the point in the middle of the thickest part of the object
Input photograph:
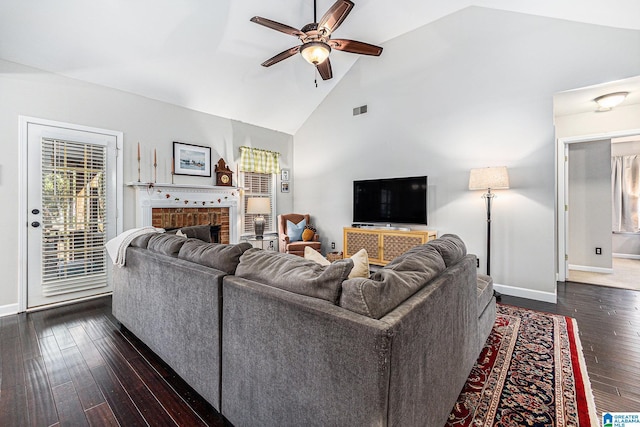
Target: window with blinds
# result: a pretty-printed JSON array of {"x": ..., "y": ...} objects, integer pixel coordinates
[
  {"x": 74, "y": 205},
  {"x": 258, "y": 185}
]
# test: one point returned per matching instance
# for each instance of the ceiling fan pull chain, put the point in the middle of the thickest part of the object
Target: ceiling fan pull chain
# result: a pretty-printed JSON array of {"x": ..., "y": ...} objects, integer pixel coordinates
[{"x": 315, "y": 80}]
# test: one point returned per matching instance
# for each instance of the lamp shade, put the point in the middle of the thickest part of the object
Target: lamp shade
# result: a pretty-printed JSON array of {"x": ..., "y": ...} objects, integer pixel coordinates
[
  {"x": 315, "y": 52},
  {"x": 495, "y": 178},
  {"x": 258, "y": 205}
]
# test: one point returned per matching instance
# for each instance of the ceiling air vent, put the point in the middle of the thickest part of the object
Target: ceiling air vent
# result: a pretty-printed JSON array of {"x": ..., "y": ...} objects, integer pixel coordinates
[{"x": 359, "y": 110}]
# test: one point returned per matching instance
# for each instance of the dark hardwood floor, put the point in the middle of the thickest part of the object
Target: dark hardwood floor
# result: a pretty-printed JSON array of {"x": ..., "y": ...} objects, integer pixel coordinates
[{"x": 72, "y": 365}]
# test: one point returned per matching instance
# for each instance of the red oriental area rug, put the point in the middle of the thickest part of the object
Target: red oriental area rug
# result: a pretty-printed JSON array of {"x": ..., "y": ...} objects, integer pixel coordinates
[{"x": 531, "y": 372}]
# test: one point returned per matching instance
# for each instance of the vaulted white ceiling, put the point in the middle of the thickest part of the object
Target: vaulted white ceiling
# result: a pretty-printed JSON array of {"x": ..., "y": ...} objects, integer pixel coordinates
[{"x": 206, "y": 54}]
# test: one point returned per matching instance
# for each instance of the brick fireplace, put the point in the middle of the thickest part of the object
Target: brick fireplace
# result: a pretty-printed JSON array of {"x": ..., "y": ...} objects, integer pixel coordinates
[{"x": 175, "y": 205}]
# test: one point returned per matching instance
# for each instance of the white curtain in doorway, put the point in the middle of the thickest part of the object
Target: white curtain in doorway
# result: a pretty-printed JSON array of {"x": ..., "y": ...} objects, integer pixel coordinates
[{"x": 625, "y": 185}]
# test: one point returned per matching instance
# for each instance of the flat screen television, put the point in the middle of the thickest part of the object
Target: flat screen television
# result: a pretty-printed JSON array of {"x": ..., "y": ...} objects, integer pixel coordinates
[{"x": 391, "y": 200}]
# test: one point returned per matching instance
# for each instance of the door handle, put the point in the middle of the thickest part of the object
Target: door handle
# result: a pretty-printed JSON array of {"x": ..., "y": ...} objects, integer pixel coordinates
[{"x": 35, "y": 224}]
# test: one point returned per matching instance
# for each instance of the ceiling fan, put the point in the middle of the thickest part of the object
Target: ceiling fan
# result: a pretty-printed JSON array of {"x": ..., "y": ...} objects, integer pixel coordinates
[{"x": 316, "y": 39}]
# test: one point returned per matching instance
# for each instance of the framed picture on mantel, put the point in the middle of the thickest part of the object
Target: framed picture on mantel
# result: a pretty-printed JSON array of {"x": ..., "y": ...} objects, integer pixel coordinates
[{"x": 189, "y": 159}]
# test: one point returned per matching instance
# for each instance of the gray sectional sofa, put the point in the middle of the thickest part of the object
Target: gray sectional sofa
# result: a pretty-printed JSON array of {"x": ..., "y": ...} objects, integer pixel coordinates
[{"x": 271, "y": 339}]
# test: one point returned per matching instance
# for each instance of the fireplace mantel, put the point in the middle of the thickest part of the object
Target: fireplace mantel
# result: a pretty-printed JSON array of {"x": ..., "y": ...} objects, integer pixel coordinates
[{"x": 149, "y": 196}]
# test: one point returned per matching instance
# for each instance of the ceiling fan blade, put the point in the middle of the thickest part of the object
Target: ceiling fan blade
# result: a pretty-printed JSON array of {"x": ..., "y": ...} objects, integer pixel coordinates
[
  {"x": 335, "y": 15},
  {"x": 281, "y": 56},
  {"x": 324, "y": 68},
  {"x": 355, "y": 47},
  {"x": 277, "y": 26}
]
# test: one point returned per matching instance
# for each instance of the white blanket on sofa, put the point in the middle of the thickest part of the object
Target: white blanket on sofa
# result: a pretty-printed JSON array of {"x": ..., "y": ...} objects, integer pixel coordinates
[{"x": 117, "y": 247}]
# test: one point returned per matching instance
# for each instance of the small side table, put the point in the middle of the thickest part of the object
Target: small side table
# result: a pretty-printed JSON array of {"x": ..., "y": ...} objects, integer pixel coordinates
[{"x": 267, "y": 242}]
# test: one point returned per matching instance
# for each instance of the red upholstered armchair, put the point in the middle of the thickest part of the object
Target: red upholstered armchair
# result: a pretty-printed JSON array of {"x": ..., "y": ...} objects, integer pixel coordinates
[{"x": 296, "y": 248}]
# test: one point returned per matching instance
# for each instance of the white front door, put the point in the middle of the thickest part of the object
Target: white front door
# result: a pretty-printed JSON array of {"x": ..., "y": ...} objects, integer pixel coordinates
[{"x": 71, "y": 211}]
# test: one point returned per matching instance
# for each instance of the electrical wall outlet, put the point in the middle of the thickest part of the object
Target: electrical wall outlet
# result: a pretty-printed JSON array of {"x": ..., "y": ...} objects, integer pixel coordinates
[
  {"x": 477, "y": 262},
  {"x": 598, "y": 251},
  {"x": 333, "y": 245}
]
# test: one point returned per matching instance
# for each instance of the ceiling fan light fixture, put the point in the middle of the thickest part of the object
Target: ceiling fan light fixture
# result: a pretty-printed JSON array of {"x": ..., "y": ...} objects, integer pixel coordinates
[
  {"x": 315, "y": 52},
  {"x": 610, "y": 100}
]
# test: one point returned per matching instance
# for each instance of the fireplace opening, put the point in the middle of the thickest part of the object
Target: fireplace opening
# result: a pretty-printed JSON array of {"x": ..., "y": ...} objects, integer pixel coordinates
[{"x": 175, "y": 218}]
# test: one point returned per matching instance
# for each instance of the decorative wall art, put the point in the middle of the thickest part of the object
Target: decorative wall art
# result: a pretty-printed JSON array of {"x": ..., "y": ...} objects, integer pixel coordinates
[{"x": 189, "y": 159}]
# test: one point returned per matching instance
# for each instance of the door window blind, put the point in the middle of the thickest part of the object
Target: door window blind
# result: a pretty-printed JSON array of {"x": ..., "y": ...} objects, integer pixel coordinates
[{"x": 74, "y": 205}]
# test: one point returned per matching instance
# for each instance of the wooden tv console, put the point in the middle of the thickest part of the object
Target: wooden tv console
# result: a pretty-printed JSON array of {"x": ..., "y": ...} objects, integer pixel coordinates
[{"x": 383, "y": 244}]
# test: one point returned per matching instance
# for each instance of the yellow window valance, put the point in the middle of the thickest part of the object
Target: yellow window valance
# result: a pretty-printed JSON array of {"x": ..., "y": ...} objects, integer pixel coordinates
[{"x": 257, "y": 160}]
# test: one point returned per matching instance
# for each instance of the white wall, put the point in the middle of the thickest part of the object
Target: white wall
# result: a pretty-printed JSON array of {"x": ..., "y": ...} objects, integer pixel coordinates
[
  {"x": 473, "y": 89},
  {"x": 621, "y": 118},
  {"x": 590, "y": 204},
  {"x": 31, "y": 92}
]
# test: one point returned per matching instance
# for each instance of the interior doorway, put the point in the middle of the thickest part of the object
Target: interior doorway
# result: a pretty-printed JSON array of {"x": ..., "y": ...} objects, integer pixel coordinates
[
  {"x": 624, "y": 185},
  {"x": 71, "y": 180},
  {"x": 586, "y": 193}
]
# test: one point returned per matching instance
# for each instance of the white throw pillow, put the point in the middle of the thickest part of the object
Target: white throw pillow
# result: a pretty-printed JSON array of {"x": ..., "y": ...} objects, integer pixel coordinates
[
  {"x": 360, "y": 264},
  {"x": 313, "y": 255},
  {"x": 360, "y": 261}
]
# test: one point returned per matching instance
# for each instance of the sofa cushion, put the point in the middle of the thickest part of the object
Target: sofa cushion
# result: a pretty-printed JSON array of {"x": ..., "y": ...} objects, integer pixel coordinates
[
  {"x": 142, "y": 241},
  {"x": 201, "y": 232},
  {"x": 294, "y": 231},
  {"x": 485, "y": 291},
  {"x": 360, "y": 261},
  {"x": 393, "y": 284},
  {"x": 294, "y": 274},
  {"x": 166, "y": 244},
  {"x": 219, "y": 256},
  {"x": 451, "y": 248},
  {"x": 300, "y": 246}
]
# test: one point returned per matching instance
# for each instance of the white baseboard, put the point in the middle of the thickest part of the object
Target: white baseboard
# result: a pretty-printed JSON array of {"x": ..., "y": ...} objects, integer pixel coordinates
[
  {"x": 526, "y": 293},
  {"x": 591, "y": 269},
  {"x": 9, "y": 309},
  {"x": 626, "y": 256}
]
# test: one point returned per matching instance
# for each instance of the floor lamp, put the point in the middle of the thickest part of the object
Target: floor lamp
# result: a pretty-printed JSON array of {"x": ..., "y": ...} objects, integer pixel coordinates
[{"x": 493, "y": 178}]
